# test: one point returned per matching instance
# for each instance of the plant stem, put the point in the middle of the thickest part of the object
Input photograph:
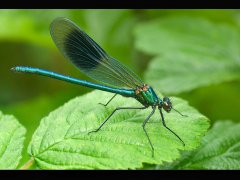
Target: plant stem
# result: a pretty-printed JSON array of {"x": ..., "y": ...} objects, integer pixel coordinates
[{"x": 27, "y": 165}]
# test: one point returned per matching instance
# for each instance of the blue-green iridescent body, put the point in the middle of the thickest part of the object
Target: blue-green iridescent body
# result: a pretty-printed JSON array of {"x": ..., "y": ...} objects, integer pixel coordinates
[
  {"x": 146, "y": 96},
  {"x": 93, "y": 61},
  {"x": 124, "y": 92}
]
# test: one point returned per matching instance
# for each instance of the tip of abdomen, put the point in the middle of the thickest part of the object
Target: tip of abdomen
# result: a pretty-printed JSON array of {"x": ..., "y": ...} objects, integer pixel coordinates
[
  {"x": 15, "y": 68},
  {"x": 20, "y": 69}
]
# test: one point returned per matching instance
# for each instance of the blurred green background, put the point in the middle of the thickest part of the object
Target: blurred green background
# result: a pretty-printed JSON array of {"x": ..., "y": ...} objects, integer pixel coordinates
[{"x": 134, "y": 38}]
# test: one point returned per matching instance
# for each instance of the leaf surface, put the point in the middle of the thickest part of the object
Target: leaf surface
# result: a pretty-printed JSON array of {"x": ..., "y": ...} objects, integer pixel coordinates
[
  {"x": 62, "y": 140},
  {"x": 189, "y": 53},
  {"x": 220, "y": 149},
  {"x": 11, "y": 141}
]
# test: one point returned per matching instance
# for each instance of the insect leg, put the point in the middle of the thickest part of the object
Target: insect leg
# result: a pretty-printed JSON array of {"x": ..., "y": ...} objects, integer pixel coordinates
[
  {"x": 143, "y": 125},
  {"x": 108, "y": 101},
  {"x": 119, "y": 108},
  {"x": 164, "y": 124}
]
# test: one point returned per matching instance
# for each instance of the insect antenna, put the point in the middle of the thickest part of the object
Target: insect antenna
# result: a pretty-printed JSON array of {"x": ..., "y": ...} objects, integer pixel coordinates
[{"x": 179, "y": 112}]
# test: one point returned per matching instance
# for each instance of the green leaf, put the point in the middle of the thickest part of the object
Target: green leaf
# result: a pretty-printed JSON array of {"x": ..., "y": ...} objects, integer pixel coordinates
[
  {"x": 189, "y": 53},
  {"x": 220, "y": 149},
  {"x": 62, "y": 141},
  {"x": 26, "y": 26},
  {"x": 229, "y": 16},
  {"x": 40, "y": 107},
  {"x": 11, "y": 141}
]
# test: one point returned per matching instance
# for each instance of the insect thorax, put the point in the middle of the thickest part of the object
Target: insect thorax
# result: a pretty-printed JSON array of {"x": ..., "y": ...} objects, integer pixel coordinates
[{"x": 146, "y": 96}]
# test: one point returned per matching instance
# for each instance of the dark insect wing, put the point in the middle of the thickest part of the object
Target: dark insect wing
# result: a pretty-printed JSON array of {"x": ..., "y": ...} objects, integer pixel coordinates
[{"x": 89, "y": 57}]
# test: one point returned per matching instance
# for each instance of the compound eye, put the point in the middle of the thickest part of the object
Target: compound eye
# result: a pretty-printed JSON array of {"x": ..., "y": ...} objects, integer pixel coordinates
[
  {"x": 167, "y": 100},
  {"x": 167, "y": 105}
]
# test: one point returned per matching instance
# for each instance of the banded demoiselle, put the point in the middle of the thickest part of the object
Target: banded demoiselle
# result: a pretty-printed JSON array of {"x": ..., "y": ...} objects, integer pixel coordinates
[{"x": 93, "y": 61}]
